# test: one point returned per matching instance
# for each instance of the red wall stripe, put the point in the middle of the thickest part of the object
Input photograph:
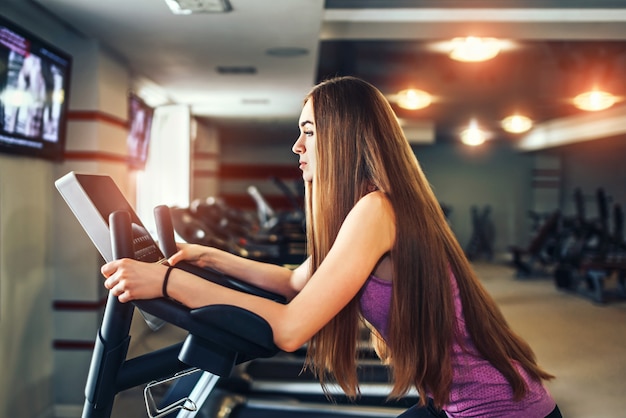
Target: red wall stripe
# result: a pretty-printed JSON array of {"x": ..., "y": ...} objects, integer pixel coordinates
[
  {"x": 247, "y": 171},
  {"x": 205, "y": 173},
  {"x": 95, "y": 115},
  {"x": 72, "y": 345},
  {"x": 78, "y": 305},
  {"x": 91, "y": 116},
  {"x": 95, "y": 156},
  {"x": 244, "y": 201},
  {"x": 204, "y": 155}
]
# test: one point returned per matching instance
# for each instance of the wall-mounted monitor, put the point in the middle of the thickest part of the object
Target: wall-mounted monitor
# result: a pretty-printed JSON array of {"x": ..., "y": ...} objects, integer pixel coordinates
[
  {"x": 139, "y": 127},
  {"x": 34, "y": 93}
]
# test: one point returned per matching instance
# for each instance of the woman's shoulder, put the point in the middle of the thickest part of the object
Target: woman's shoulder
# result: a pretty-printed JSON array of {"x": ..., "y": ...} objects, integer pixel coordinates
[
  {"x": 375, "y": 204},
  {"x": 375, "y": 197}
]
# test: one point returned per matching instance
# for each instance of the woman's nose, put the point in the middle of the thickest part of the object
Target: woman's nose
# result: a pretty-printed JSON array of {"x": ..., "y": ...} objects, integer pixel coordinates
[{"x": 298, "y": 146}]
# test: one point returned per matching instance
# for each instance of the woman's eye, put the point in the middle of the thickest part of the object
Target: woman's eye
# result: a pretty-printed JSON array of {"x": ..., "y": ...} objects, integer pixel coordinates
[{"x": 308, "y": 133}]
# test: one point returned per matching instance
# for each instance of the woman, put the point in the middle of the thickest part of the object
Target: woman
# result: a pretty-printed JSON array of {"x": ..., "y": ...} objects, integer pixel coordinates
[{"x": 380, "y": 251}]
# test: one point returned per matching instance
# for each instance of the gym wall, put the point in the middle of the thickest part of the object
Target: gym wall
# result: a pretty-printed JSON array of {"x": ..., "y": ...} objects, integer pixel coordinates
[
  {"x": 51, "y": 293},
  {"x": 591, "y": 165}
]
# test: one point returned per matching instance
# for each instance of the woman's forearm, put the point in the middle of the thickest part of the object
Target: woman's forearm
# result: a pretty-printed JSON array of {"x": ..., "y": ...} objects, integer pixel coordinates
[{"x": 267, "y": 276}]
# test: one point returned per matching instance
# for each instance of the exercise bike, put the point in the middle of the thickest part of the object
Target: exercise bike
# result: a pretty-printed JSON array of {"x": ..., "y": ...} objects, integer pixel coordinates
[{"x": 219, "y": 337}]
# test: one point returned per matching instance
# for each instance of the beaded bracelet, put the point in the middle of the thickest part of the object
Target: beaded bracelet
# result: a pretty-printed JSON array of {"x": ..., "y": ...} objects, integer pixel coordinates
[{"x": 165, "y": 279}]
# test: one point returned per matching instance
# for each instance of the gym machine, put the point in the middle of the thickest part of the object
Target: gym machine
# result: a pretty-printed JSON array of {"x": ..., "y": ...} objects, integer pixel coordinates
[
  {"x": 592, "y": 254},
  {"x": 219, "y": 336}
]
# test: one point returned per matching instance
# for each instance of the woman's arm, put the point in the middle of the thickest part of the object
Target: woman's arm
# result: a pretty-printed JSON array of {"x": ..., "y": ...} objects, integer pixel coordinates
[
  {"x": 274, "y": 278},
  {"x": 365, "y": 236}
]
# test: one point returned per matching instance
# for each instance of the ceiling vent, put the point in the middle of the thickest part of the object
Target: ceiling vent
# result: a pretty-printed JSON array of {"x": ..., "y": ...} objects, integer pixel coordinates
[
  {"x": 187, "y": 7},
  {"x": 287, "y": 52},
  {"x": 236, "y": 70}
]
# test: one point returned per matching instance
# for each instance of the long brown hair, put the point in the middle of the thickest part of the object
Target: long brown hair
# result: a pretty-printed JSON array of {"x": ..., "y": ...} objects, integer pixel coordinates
[{"x": 359, "y": 144}]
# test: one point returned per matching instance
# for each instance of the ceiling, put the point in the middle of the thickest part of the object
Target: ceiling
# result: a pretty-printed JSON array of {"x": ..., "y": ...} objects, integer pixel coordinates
[{"x": 247, "y": 70}]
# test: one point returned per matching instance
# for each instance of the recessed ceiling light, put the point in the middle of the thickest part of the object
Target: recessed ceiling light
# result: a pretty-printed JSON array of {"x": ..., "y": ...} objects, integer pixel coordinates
[
  {"x": 187, "y": 7},
  {"x": 474, "y": 49},
  {"x": 473, "y": 135},
  {"x": 413, "y": 99},
  {"x": 594, "y": 100},
  {"x": 516, "y": 124}
]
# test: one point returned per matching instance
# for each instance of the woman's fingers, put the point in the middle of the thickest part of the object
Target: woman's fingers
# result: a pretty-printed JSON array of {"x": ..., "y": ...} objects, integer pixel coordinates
[
  {"x": 108, "y": 269},
  {"x": 113, "y": 272},
  {"x": 130, "y": 279},
  {"x": 109, "y": 283},
  {"x": 185, "y": 253}
]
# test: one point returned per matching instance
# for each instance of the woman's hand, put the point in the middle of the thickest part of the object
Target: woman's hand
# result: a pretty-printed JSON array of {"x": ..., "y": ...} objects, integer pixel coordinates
[
  {"x": 191, "y": 253},
  {"x": 131, "y": 279}
]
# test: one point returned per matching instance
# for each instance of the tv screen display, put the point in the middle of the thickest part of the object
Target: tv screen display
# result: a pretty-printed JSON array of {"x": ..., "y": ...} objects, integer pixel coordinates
[
  {"x": 139, "y": 126},
  {"x": 34, "y": 87}
]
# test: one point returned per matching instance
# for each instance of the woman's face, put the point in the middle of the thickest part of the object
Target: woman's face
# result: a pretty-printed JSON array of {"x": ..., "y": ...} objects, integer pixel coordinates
[{"x": 305, "y": 144}]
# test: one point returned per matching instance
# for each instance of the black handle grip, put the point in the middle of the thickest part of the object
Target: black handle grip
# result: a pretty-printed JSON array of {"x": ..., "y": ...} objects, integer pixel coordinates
[
  {"x": 165, "y": 233},
  {"x": 165, "y": 230},
  {"x": 111, "y": 345},
  {"x": 121, "y": 235}
]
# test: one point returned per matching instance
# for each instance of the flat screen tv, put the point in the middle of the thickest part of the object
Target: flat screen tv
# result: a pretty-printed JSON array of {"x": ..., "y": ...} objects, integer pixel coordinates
[
  {"x": 139, "y": 127},
  {"x": 34, "y": 91}
]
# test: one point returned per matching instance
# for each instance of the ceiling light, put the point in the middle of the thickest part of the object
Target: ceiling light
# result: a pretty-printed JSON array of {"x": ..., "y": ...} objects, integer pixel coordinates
[
  {"x": 473, "y": 49},
  {"x": 187, "y": 7},
  {"x": 473, "y": 135},
  {"x": 594, "y": 100},
  {"x": 413, "y": 99},
  {"x": 516, "y": 124}
]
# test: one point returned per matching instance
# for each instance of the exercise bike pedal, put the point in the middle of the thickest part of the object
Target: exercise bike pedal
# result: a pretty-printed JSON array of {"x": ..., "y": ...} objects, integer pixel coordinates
[{"x": 182, "y": 404}]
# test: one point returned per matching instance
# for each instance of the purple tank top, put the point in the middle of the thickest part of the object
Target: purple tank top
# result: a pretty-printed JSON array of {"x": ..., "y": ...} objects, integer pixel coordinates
[
  {"x": 478, "y": 389},
  {"x": 375, "y": 303}
]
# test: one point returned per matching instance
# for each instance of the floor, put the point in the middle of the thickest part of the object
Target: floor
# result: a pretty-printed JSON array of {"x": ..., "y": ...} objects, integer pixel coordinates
[{"x": 579, "y": 341}]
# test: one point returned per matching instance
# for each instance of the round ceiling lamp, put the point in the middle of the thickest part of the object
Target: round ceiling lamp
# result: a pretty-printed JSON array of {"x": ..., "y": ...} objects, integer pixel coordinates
[
  {"x": 473, "y": 135},
  {"x": 516, "y": 124},
  {"x": 594, "y": 100},
  {"x": 474, "y": 49},
  {"x": 413, "y": 99}
]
